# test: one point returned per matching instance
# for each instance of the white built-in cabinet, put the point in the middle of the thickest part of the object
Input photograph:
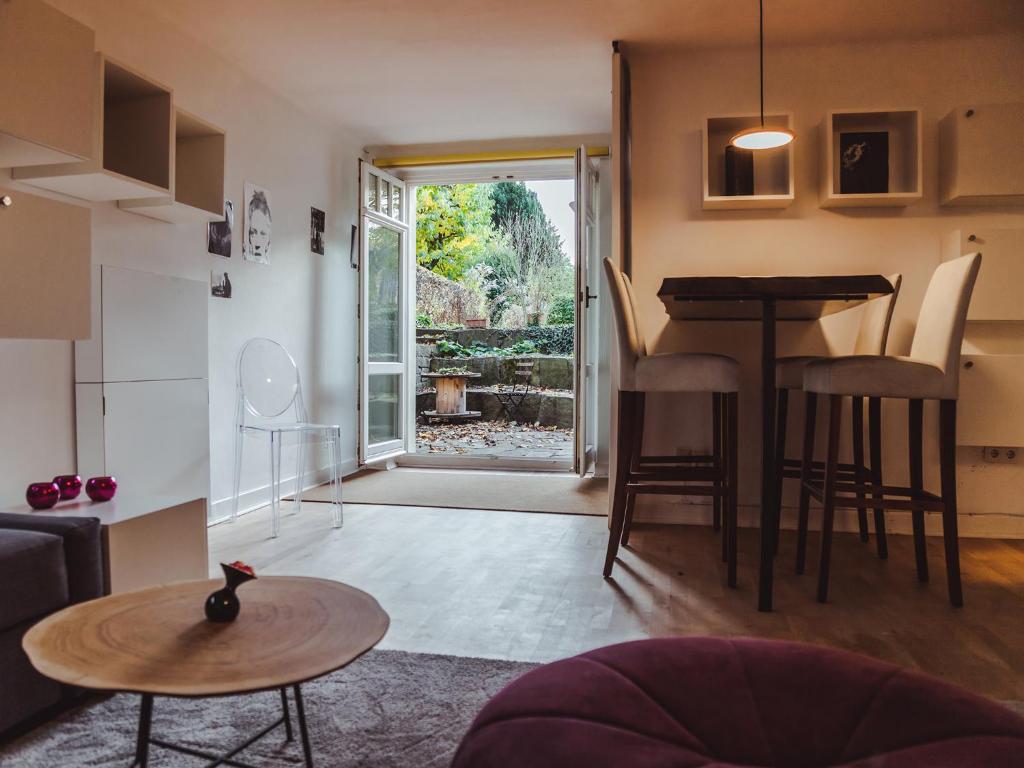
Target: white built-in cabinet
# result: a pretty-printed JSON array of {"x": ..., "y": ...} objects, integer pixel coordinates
[
  {"x": 141, "y": 385},
  {"x": 47, "y": 105},
  {"x": 45, "y": 252},
  {"x": 981, "y": 155},
  {"x": 992, "y": 367}
]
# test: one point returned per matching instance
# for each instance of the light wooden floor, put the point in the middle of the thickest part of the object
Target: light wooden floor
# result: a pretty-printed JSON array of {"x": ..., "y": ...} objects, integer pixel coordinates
[{"x": 529, "y": 587}]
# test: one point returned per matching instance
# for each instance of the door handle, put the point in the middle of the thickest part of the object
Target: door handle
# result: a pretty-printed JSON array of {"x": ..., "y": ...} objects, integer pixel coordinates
[
  {"x": 587, "y": 296},
  {"x": 6, "y": 201}
]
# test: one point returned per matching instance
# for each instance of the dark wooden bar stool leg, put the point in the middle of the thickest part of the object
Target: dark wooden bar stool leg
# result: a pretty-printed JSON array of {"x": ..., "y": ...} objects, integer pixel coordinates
[
  {"x": 732, "y": 462},
  {"x": 635, "y": 456},
  {"x": 835, "y": 414},
  {"x": 627, "y": 402},
  {"x": 716, "y": 451},
  {"x": 810, "y": 415},
  {"x": 915, "y": 423},
  {"x": 857, "y": 412},
  {"x": 875, "y": 446},
  {"x": 947, "y": 463},
  {"x": 781, "y": 417}
]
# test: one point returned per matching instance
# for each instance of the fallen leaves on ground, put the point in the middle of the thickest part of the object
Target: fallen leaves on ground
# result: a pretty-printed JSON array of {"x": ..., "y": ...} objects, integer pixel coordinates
[{"x": 462, "y": 436}]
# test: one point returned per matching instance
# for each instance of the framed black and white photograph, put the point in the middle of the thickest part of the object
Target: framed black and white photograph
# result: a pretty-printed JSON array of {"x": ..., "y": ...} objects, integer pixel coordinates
[
  {"x": 258, "y": 223},
  {"x": 863, "y": 162},
  {"x": 220, "y": 284},
  {"x": 218, "y": 235},
  {"x": 317, "y": 222}
]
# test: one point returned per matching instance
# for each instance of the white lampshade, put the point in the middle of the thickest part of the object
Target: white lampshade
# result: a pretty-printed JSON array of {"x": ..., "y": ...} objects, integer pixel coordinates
[{"x": 762, "y": 138}]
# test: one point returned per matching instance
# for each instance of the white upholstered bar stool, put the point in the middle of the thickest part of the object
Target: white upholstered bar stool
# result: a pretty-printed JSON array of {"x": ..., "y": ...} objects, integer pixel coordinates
[
  {"x": 931, "y": 372},
  {"x": 872, "y": 335},
  {"x": 712, "y": 475}
]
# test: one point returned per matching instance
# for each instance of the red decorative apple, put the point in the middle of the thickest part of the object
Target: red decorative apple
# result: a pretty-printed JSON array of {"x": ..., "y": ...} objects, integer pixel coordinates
[
  {"x": 42, "y": 495},
  {"x": 101, "y": 488},
  {"x": 70, "y": 486}
]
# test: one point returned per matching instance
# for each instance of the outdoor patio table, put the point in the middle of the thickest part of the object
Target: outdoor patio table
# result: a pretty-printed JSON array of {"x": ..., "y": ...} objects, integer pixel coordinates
[{"x": 767, "y": 299}]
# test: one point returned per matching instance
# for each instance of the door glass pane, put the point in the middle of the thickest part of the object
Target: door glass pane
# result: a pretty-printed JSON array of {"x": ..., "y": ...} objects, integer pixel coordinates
[
  {"x": 371, "y": 192},
  {"x": 396, "y": 201},
  {"x": 383, "y": 277},
  {"x": 385, "y": 197},
  {"x": 384, "y": 413}
]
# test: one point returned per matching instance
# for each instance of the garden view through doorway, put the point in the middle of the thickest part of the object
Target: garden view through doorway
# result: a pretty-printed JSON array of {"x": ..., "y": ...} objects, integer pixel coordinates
[{"x": 495, "y": 314}]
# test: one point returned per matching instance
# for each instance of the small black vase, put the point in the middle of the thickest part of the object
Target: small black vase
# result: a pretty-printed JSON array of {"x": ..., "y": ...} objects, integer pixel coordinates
[{"x": 223, "y": 604}]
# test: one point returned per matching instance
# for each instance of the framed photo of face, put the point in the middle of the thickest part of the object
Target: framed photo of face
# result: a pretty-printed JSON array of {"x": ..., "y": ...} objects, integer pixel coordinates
[{"x": 258, "y": 224}]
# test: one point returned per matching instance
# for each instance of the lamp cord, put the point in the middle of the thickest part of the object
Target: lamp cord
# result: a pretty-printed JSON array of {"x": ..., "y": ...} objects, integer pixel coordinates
[{"x": 761, "y": 43}]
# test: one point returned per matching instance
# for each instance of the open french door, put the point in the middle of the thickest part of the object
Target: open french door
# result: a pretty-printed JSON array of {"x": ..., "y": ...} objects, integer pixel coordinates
[
  {"x": 385, "y": 340},
  {"x": 586, "y": 313}
]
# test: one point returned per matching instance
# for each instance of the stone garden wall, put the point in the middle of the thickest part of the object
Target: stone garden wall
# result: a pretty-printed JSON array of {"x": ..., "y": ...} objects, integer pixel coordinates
[{"x": 549, "y": 371}]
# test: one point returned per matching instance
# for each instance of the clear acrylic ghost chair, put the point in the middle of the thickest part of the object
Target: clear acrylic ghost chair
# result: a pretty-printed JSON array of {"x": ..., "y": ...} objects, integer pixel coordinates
[{"x": 267, "y": 387}]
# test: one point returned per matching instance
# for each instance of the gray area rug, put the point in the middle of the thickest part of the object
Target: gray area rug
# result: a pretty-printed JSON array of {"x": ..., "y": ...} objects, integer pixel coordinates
[{"x": 388, "y": 708}]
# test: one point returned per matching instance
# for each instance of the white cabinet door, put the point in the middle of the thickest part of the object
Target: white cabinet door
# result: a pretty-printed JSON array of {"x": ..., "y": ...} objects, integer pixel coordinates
[
  {"x": 990, "y": 387},
  {"x": 156, "y": 437},
  {"x": 997, "y": 293},
  {"x": 154, "y": 326}
]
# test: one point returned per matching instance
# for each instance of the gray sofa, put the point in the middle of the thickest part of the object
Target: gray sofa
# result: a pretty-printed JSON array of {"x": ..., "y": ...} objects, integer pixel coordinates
[{"x": 46, "y": 563}]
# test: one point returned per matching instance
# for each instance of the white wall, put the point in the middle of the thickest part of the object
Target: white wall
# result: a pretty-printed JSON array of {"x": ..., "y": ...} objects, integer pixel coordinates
[
  {"x": 674, "y": 91},
  {"x": 305, "y": 301}
]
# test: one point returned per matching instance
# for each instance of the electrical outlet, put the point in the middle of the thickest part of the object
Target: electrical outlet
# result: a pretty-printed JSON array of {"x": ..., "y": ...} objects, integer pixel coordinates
[{"x": 1001, "y": 455}]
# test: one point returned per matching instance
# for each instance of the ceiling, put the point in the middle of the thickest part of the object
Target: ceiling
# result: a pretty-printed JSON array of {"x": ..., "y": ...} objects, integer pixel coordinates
[{"x": 419, "y": 71}]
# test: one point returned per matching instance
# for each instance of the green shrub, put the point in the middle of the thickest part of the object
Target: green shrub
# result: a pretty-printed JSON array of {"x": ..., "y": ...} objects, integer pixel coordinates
[
  {"x": 424, "y": 321},
  {"x": 563, "y": 310}
]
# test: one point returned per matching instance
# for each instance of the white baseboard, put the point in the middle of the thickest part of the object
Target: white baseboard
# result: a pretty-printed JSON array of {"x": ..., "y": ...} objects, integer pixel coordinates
[
  {"x": 971, "y": 525},
  {"x": 254, "y": 498}
]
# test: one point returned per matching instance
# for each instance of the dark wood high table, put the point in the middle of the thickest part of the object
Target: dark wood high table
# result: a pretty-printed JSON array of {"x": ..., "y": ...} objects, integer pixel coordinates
[{"x": 767, "y": 299}]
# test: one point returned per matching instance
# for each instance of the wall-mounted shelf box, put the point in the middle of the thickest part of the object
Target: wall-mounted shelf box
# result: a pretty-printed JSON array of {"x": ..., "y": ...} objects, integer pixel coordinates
[
  {"x": 47, "y": 109},
  {"x": 198, "y": 184},
  {"x": 904, "y": 129},
  {"x": 131, "y": 141},
  {"x": 45, "y": 250},
  {"x": 773, "y": 168},
  {"x": 996, "y": 296},
  {"x": 981, "y": 155}
]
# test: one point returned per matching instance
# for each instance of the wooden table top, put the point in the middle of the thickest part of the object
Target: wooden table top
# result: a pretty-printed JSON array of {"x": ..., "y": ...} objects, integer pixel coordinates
[
  {"x": 157, "y": 640},
  {"x": 798, "y": 297}
]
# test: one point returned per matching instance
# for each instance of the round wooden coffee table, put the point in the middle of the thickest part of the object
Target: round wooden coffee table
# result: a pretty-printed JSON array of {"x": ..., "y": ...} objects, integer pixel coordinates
[{"x": 157, "y": 642}]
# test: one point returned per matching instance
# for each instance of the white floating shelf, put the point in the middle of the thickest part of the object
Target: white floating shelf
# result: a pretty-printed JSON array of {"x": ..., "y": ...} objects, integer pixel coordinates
[
  {"x": 773, "y": 168},
  {"x": 904, "y": 129},
  {"x": 132, "y": 149},
  {"x": 198, "y": 184}
]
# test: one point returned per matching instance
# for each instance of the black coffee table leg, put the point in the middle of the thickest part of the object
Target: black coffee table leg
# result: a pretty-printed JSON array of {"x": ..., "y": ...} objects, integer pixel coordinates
[
  {"x": 287, "y": 716},
  {"x": 307, "y": 750},
  {"x": 145, "y": 723},
  {"x": 145, "y": 738}
]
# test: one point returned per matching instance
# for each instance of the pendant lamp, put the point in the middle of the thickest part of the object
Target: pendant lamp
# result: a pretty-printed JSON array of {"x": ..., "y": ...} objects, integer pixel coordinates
[{"x": 762, "y": 137}]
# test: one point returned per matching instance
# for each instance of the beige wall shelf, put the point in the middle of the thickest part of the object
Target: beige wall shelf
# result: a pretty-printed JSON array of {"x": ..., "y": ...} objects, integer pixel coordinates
[
  {"x": 131, "y": 141},
  {"x": 773, "y": 168},
  {"x": 198, "y": 184},
  {"x": 46, "y": 105},
  {"x": 904, "y": 128},
  {"x": 981, "y": 155},
  {"x": 45, "y": 249}
]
